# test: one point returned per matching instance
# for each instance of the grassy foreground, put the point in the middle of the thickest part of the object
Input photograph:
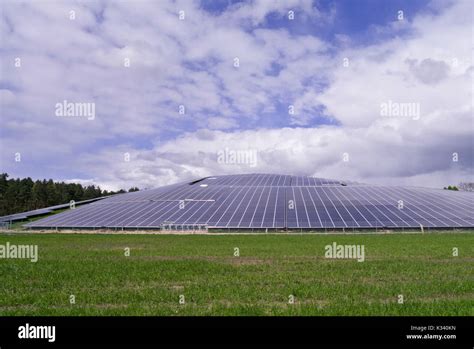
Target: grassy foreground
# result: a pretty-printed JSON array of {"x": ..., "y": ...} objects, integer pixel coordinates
[{"x": 270, "y": 268}]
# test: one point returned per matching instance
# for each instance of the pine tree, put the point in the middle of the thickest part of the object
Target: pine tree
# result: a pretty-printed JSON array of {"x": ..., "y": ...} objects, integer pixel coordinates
[{"x": 20, "y": 195}]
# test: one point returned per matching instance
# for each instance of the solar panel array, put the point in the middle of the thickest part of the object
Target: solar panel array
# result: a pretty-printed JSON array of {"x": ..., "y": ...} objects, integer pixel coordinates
[
  {"x": 273, "y": 201},
  {"x": 267, "y": 180},
  {"x": 42, "y": 211}
]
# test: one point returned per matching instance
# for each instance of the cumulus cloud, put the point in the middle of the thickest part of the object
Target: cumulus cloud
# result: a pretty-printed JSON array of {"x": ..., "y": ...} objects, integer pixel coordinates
[{"x": 174, "y": 93}]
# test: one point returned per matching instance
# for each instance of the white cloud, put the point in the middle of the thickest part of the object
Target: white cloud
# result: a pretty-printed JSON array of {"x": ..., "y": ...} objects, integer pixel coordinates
[{"x": 190, "y": 62}]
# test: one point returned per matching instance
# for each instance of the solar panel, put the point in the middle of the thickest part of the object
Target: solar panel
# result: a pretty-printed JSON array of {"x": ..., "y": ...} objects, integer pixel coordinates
[
  {"x": 42, "y": 211},
  {"x": 259, "y": 201}
]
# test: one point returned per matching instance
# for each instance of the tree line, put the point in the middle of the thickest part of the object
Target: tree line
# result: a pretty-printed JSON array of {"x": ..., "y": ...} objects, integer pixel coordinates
[
  {"x": 463, "y": 186},
  {"x": 20, "y": 195}
]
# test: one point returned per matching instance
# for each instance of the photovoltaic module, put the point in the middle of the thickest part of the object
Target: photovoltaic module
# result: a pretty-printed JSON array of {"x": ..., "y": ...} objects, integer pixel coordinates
[{"x": 269, "y": 201}]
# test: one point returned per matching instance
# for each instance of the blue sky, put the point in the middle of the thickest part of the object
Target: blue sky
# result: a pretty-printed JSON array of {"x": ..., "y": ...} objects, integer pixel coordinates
[{"x": 334, "y": 65}]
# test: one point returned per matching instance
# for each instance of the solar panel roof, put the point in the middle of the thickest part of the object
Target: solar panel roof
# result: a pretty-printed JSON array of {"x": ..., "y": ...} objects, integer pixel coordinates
[{"x": 254, "y": 201}]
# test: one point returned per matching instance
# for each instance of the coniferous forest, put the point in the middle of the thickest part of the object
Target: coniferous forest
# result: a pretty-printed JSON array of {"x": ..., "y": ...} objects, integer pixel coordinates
[{"x": 19, "y": 195}]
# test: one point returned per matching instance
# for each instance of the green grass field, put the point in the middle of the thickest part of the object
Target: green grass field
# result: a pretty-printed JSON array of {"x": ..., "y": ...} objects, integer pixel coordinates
[{"x": 213, "y": 281}]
